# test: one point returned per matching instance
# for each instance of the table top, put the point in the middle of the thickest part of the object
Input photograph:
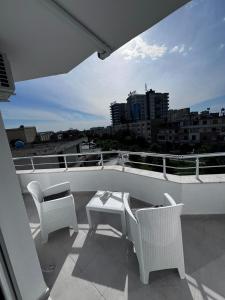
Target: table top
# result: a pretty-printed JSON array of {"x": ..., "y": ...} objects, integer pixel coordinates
[{"x": 112, "y": 202}]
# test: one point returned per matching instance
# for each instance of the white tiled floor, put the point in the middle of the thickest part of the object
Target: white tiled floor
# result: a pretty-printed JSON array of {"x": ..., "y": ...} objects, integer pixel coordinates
[{"x": 102, "y": 265}]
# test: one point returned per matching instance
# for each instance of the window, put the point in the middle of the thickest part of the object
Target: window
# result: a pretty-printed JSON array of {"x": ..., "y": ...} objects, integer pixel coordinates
[
  {"x": 204, "y": 122},
  {"x": 195, "y": 122},
  {"x": 161, "y": 137},
  {"x": 193, "y": 137}
]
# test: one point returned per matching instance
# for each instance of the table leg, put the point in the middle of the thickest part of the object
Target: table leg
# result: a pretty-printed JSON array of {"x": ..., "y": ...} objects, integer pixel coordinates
[
  {"x": 89, "y": 218},
  {"x": 123, "y": 222}
]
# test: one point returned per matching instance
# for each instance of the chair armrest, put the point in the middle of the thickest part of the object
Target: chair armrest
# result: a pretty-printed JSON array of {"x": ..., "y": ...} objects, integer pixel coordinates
[
  {"x": 169, "y": 199},
  {"x": 128, "y": 210},
  {"x": 57, "y": 188}
]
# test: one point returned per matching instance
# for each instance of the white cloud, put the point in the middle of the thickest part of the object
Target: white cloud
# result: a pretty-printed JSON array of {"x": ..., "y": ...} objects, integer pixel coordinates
[
  {"x": 224, "y": 19},
  {"x": 45, "y": 120},
  {"x": 221, "y": 46},
  {"x": 174, "y": 49},
  {"x": 29, "y": 114},
  {"x": 181, "y": 49},
  {"x": 139, "y": 48}
]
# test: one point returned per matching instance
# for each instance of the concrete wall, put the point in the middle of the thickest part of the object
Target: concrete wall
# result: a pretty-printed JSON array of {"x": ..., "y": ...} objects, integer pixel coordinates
[
  {"x": 198, "y": 198},
  {"x": 15, "y": 229}
]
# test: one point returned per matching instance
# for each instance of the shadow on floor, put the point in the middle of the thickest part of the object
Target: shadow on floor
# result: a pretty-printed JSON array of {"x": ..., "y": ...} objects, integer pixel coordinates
[
  {"x": 100, "y": 264},
  {"x": 53, "y": 254}
]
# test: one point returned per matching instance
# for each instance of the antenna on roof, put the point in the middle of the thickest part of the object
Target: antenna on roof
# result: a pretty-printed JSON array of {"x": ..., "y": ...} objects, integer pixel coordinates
[{"x": 146, "y": 88}]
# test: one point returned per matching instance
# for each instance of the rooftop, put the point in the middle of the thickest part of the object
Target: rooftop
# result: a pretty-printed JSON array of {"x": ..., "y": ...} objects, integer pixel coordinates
[{"x": 100, "y": 264}]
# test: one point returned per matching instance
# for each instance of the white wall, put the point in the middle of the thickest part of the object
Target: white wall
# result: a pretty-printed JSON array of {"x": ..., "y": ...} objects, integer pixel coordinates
[
  {"x": 15, "y": 228},
  {"x": 198, "y": 198}
]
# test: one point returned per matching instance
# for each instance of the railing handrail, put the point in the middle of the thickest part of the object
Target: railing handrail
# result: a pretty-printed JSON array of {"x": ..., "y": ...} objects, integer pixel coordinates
[
  {"x": 125, "y": 155},
  {"x": 144, "y": 154},
  {"x": 66, "y": 154}
]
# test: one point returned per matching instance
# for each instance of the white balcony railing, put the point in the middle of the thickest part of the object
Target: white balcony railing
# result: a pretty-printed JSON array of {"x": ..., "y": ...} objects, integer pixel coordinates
[{"x": 194, "y": 164}]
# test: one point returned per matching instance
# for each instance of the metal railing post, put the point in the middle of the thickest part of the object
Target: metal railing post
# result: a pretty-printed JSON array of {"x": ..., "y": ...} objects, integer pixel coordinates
[
  {"x": 164, "y": 166},
  {"x": 102, "y": 162},
  {"x": 123, "y": 162},
  {"x": 197, "y": 168},
  {"x": 65, "y": 162},
  {"x": 32, "y": 163}
]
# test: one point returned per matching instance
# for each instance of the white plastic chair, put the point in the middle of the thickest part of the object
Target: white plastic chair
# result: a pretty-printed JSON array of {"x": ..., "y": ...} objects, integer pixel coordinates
[
  {"x": 53, "y": 214},
  {"x": 157, "y": 237}
]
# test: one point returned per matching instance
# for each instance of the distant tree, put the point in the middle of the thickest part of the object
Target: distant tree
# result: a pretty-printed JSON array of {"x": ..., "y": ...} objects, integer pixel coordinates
[
  {"x": 204, "y": 148},
  {"x": 53, "y": 137},
  {"x": 155, "y": 148},
  {"x": 185, "y": 149}
]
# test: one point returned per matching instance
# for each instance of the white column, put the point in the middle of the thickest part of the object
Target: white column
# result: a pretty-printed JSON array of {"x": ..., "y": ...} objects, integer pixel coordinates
[{"x": 15, "y": 228}]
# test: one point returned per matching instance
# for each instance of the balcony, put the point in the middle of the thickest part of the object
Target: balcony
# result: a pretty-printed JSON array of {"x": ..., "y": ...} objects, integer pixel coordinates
[{"x": 100, "y": 264}]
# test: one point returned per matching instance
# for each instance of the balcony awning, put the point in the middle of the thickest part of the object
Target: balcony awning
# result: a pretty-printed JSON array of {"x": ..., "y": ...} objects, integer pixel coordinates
[{"x": 47, "y": 37}]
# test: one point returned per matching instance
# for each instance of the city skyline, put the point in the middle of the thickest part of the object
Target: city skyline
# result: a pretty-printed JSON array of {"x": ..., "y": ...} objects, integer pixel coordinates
[{"x": 188, "y": 61}]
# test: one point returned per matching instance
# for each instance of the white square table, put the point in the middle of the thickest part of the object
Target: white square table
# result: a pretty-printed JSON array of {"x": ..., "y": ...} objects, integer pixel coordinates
[{"x": 111, "y": 204}]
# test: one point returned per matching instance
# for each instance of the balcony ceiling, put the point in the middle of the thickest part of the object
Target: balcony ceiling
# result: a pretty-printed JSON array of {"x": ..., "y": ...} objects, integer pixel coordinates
[{"x": 43, "y": 37}]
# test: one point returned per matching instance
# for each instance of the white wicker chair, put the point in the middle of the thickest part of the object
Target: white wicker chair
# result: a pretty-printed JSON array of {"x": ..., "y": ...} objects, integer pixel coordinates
[
  {"x": 57, "y": 213},
  {"x": 157, "y": 237}
]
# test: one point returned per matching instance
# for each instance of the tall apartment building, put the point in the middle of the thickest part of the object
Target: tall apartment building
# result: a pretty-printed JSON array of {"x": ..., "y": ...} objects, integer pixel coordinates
[
  {"x": 118, "y": 113},
  {"x": 136, "y": 107},
  {"x": 149, "y": 106},
  {"x": 157, "y": 105},
  {"x": 141, "y": 113}
]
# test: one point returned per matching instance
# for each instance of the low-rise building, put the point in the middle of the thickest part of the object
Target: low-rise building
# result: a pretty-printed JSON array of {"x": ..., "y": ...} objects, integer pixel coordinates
[
  {"x": 45, "y": 136},
  {"x": 175, "y": 115},
  {"x": 25, "y": 134},
  {"x": 194, "y": 128}
]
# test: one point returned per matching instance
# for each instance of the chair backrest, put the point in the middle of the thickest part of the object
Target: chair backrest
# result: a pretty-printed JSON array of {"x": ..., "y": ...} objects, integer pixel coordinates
[
  {"x": 160, "y": 226},
  {"x": 35, "y": 190}
]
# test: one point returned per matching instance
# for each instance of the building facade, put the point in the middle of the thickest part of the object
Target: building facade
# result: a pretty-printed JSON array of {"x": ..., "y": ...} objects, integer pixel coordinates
[
  {"x": 140, "y": 114},
  {"x": 136, "y": 107},
  {"x": 157, "y": 105},
  {"x": 45, "y": 136},
  {"x": 194, "y": 128},
  {"x": 118, "y": 113},
  {"x": 175, "y": 115},
  {"x": 25, "y": 134}
]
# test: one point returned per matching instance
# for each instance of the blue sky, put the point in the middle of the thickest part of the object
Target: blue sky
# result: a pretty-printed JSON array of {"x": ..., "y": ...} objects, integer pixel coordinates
[{"x": 184, "y": 55}]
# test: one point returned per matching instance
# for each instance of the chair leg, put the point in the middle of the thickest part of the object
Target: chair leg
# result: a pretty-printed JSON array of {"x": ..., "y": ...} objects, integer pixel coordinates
[
  {"x": 44, "y": 237},
  {"x": 75, "y": 225},
  {"x": 181, "y": 272},
  {"x": 144, "y": 276}
]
